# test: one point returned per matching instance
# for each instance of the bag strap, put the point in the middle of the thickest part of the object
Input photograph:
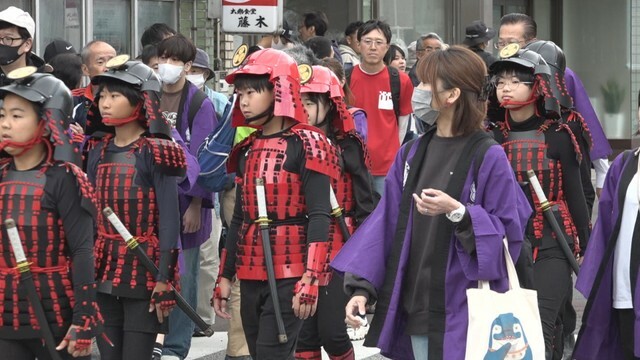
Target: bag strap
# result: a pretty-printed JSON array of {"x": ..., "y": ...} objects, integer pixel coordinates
[
  {"x": 194, "y": 106},
  {"x": 394, "y": 83},
  {"x": 514, "y": 283}
]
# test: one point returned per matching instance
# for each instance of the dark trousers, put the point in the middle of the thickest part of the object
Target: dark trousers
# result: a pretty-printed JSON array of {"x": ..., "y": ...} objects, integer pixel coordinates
[
  {"x": 327, "y": 328},
  {"x": 30, "y": 349},
  {"x": 552, "y": 277},
  {"x": 259, "y": 320},
  {"x": 626, "y": 319},
  {"x": 130, "y": 326}
]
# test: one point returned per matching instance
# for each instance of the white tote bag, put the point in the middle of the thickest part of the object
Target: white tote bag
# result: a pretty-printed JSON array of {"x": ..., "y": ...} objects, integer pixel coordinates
[{"x": 504, "y": 325}]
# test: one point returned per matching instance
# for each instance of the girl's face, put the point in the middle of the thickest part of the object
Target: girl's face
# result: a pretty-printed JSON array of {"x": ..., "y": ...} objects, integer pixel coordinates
[
  {"x": 317, "y": 111},
  {"x": 254, "y": 103},
  {"x": 399, "y": 62},
  {"x": 114, "y": 105},
  {"x": 18, "y": 121},
  {"x": 510, "y": 88}
]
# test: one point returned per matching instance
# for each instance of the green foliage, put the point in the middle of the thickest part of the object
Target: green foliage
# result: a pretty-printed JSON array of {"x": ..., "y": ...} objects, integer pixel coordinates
[{"x": 613, "y": 96}]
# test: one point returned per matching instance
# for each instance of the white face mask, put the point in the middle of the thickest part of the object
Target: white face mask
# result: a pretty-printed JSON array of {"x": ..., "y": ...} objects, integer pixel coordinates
[
  {"x": 169, "y": 73},
  {"x": 277, "y": 43},
  {"x": 197, "y": 80}
]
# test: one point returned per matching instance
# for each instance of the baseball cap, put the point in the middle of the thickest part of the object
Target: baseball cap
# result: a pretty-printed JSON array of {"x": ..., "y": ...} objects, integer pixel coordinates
[
  {"x": 19, "y": 18},
  {"x": 57, "y": 47},
  {"x": 202, "y": 61}
]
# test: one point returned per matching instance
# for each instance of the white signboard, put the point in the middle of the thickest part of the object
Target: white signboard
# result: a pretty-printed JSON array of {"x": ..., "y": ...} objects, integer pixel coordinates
[{"x": 251, "y": 16}]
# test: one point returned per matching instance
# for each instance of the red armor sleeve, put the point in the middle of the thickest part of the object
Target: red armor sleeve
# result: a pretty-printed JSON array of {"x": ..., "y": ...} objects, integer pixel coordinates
[
  {"x": 86, "y": 316},
  {"x": 168, "y": 156},
  {"x": 320, "y": 155},
  {"x": 318, "y": 261}
]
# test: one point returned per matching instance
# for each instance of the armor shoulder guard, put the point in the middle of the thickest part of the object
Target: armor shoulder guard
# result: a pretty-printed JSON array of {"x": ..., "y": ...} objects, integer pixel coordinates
[
  {"x": 87, "y": 193},
  {"x": 320, "y": 155},
  {"x": 168, "y": 156},
  {"x": 234, "y": 155},
  {"x": 572, "y": 131},
  {"x": 579, "y": 127}
]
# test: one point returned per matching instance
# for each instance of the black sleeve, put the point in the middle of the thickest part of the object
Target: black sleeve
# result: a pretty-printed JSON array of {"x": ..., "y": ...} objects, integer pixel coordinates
[
  {"x": 168, "y": 227},
  {"x": 233, "y": 235},
  {"x": 65, "y": 196},
  {"x": 572, "y": 185},
  {"x": 464, "y": 232},
  {"x": 355, "y": 285},
  {"x": 316, "y": 194},
  {"x": 91, "y": 164},
  {"x": 354, "y": 163}
]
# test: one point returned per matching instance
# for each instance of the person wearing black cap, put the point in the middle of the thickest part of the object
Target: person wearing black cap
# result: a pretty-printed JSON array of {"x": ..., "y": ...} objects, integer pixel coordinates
[
  {"x": 47, "y": 194},
  {"x": 57, "y": 47},
  {"x": 17, "y": 30},
  {"x": 477, "y": 36},
  {"x": 134, "y": 164},
  {"x": 199, "y": 74}
]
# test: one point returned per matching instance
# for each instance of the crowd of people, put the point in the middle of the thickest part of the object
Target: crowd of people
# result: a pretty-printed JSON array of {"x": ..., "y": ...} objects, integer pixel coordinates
[{"x": 359, "y": 187}]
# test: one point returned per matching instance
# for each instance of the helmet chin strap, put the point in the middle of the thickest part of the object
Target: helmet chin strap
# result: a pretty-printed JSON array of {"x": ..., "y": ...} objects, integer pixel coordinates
[
  {"x": 268, "y": 112},
  {"x": 26, "y": 145},
  {"x": 520, "y": 104}
]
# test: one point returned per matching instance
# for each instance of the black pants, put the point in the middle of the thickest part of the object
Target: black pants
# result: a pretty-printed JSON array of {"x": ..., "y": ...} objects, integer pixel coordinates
[
  {"x": 130, "y": 326},
  {"x": 552, "y": 277},
  {"x": 259, "y": 320},
  {"x": 626, "y": 319},
  {"x": 30, "y": 349},
  {"x": 327, "y": 328}
]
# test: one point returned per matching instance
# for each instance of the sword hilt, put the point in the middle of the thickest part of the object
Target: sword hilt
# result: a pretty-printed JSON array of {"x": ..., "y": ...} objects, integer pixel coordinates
[
  {"x": 533, "y": 179},
  {"x": 22, "y": 264},
  {"x": 131, "y": 241},
  {"x": 336, "y": 210}
]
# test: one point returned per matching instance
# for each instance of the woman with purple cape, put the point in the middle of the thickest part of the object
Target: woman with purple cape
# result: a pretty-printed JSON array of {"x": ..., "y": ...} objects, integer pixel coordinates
[
  {"x": 449, "y": 200},
  {"x": 610, "y": 273}
]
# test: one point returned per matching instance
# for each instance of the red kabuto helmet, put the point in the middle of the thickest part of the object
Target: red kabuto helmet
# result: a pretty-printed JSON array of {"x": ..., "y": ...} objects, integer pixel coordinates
[
  {"x": 283, "y": 74},
  {"x": 57, "y": 106},
  {"x": 324, "y": 81}
]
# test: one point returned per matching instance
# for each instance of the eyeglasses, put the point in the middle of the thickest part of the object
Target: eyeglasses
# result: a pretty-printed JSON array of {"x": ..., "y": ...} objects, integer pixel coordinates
[
  {"x": 369, "y": 42},
  {"x": 8, "y": 40},
  {"x": 500, "y": 44},
  {"x": 513, "y": 83}
]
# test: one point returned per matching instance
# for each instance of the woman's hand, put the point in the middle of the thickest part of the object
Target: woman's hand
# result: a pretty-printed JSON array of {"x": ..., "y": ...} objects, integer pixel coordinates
[
  {"x": 434, "y": 202},
  {"x": 355, "y": 310}
]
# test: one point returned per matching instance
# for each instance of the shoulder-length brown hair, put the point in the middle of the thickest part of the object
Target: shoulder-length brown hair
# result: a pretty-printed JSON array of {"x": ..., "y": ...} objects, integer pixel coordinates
[{"x": 458, "y": 67}]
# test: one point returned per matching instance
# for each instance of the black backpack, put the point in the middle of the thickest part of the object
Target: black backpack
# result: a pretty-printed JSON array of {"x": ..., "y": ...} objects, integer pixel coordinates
[{"x": 394, "y": 80}]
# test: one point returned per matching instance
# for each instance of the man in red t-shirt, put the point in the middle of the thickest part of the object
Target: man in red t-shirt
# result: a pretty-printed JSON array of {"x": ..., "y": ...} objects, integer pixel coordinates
[{"x": 371, "y": 88}]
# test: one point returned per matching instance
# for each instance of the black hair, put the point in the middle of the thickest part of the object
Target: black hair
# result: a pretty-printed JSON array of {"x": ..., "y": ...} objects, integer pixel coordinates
[
  {"x": 177, "y": 46},
  {"x": 258, "y": 83},
  {"x": 391, "y": 54},
  {"x": 530, "y": 26},
  {"x": 156, "y": 33},
  {"x": 127, "y": 90},
  {"x": 68, "y": 68},
  {"x": 320, "y": 45},
  {"x": 375, "y": 24},
  {"x": 323, "y": 98},
  {"x": 514, "y": 70},
  {"x": 24, "y": 34},
  {"x": 318, "y": 20},
  {"x": 352, "y": 28},
  {"x": 148, "y": 53}
]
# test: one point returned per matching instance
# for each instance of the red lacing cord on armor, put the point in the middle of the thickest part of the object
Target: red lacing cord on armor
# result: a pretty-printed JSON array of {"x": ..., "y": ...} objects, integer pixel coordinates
[
  {"x": 136, "y": 115},
  {"x": 28, "y": 145}
]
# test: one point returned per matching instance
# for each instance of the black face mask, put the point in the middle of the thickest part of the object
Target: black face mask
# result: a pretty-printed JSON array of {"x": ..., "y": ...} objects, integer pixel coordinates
[{"x": 9, "y": 54}]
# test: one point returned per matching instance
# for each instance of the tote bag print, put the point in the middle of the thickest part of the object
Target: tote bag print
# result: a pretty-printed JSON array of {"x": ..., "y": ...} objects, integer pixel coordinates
[{"x": 504, "y": 326}]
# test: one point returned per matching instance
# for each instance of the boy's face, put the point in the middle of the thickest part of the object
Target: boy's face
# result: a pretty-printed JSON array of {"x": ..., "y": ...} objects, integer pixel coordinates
[
  {"x": 18, "y": 121},
  {"x": 253, "y": 103}
]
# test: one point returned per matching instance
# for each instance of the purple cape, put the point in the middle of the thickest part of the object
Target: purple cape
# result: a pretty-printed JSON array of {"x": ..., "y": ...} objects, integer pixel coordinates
[
  {"x": 598, "y": 337},
  {"x": 601, "y": 148},
  {"x": 204, "y": 122},
  {"x": 497, "y": 207}
]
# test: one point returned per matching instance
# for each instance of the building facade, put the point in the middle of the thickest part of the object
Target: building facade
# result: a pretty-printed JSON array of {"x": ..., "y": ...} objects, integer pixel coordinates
[{"x": 601, "y": 39}]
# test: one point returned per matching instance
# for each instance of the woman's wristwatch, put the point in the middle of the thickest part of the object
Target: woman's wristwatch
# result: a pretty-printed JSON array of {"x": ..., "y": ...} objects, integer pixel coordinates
[{"x": 456, "y": 215}]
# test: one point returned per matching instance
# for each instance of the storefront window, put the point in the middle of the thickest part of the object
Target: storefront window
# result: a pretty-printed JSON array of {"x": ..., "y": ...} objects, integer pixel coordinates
[
  {"x": 112, "y": 23},
  {"x": 635, "y": 71},
  {"x": 69, "y": 27},
  {"x": 600, "y": 55},
  {"x": 154, "y": 11}
]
